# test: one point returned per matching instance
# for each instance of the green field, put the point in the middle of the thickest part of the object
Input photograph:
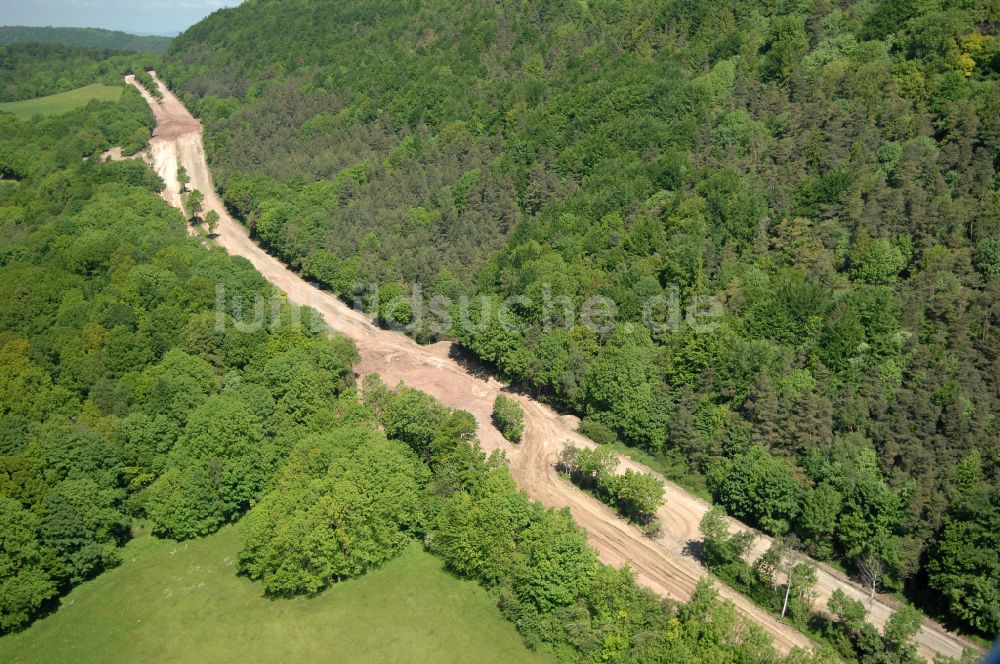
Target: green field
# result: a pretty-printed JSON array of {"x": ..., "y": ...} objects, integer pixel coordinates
[
  {"x": 174, "y": 601},
  {"x": 62, "y": 102}
]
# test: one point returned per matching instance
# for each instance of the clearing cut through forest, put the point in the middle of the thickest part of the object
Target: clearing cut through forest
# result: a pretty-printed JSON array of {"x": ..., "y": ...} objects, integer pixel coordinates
[{"x": 664, "y": 565}]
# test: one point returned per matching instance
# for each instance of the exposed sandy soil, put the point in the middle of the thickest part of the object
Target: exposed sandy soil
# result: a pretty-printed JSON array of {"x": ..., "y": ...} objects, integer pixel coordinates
[
  {"x": 114, "y": 154},
  {"x": 665, "y": 565}
]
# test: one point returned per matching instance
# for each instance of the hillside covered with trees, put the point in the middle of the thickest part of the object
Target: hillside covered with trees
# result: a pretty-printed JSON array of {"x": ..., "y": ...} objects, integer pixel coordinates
[
  {"x": 826, "y": 172},
  {"x": 83, "y": 37},
  {"x": 124, "y": 393},
  {"x": 37, "y": 70},
  {"x": 141, "y": 380}
]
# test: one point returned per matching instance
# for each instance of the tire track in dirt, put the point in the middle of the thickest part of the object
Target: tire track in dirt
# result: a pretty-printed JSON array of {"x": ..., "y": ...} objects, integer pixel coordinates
[{"x": 663, "y": 565}]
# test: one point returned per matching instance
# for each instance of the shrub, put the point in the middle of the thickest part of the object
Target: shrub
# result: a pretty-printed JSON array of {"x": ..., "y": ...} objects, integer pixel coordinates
[
  {"x": 597, "y": 432},
  {"x": 509, "y": 418},
  {"x": 636, "y": 496}
]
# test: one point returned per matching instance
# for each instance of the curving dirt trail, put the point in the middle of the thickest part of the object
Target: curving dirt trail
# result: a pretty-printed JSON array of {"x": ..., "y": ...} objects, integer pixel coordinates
[{"x": 662, "y": 564}]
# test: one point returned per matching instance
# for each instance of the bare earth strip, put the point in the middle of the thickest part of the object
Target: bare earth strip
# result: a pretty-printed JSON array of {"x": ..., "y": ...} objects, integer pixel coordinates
[{"x": 662, "y": 564}]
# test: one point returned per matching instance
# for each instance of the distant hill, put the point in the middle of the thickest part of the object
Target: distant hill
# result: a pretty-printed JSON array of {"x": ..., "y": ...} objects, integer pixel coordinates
[{"x": 90, "y": 37}]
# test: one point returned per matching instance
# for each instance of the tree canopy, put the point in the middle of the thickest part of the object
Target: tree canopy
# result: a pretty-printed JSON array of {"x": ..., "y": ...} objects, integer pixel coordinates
[
  {"x": 126, "y": 392},
  {"x": 824, "y": 172}
]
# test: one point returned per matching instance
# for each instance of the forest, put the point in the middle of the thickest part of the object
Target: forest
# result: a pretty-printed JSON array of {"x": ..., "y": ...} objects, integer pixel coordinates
[
  {"x": 130, "y": 393},
  {"x": 827, "y": 172},
  {"x": 122, "y": 391},
  {"x": 36, "y": 70},
  {"x": 84, "y": 37}
]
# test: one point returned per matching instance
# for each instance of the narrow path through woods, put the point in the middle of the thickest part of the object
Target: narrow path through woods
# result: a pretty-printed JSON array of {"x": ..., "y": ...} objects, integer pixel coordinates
[{"x": 661, "y": 564}]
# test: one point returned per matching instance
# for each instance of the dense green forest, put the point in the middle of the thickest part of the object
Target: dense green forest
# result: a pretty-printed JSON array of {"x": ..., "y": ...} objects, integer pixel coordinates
[
  {"x": 826, "y": 171},
  {"x": 123, "y": 389},
  {"x": 86, "y": 37},
  {"x": 126, "y": 395},
  {"x": 141, "y": 380}
]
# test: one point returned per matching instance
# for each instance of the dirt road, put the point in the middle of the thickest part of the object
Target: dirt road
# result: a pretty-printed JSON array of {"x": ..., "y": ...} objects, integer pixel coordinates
[{"x": 661, "y": 564}]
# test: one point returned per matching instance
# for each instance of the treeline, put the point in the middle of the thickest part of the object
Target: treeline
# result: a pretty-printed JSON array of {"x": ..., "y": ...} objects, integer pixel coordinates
[
  {"x": 782, "y": 581},
  {"x": 111, "y": 40},
  {"x": 825, "y": 172},
  {"x": 636, "y": 496},
  {"x": 145, "y": 79},
  {"x": 37, "y": 70},
  {"x": 125, "y": 390}
]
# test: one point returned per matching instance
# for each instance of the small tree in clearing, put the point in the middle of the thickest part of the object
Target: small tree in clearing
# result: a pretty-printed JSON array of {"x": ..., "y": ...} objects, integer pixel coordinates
[
  {"x": 638, "y": 496},
  {"x": 870, "y": 569},
  {"x": 509, "y": 418},
  {"x": 183, "y": 178},
  {"x": 212, "y": 219},
  {"x": 722, "y": 547},
  {"x": 194, "y": 202}
]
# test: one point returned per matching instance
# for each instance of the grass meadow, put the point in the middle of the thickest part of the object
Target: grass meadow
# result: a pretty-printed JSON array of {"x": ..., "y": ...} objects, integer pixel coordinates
[
  {"x": 171, "y": 601},
  {"x": 62, "y": 102}
]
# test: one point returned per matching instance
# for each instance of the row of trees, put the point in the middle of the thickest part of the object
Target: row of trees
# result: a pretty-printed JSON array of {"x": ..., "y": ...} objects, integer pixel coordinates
[
  {"x": 782, "y": 580},
  {"x": 143, "y": 77},
  {"x": 636, "y": 496},
  {"x": 194, "y": 201}
]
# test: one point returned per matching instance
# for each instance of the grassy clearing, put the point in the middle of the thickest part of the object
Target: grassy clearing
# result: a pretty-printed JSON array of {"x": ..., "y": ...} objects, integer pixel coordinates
[
  {"x": 62, "y": 102},
  {"x": 183, "y": 602}
]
